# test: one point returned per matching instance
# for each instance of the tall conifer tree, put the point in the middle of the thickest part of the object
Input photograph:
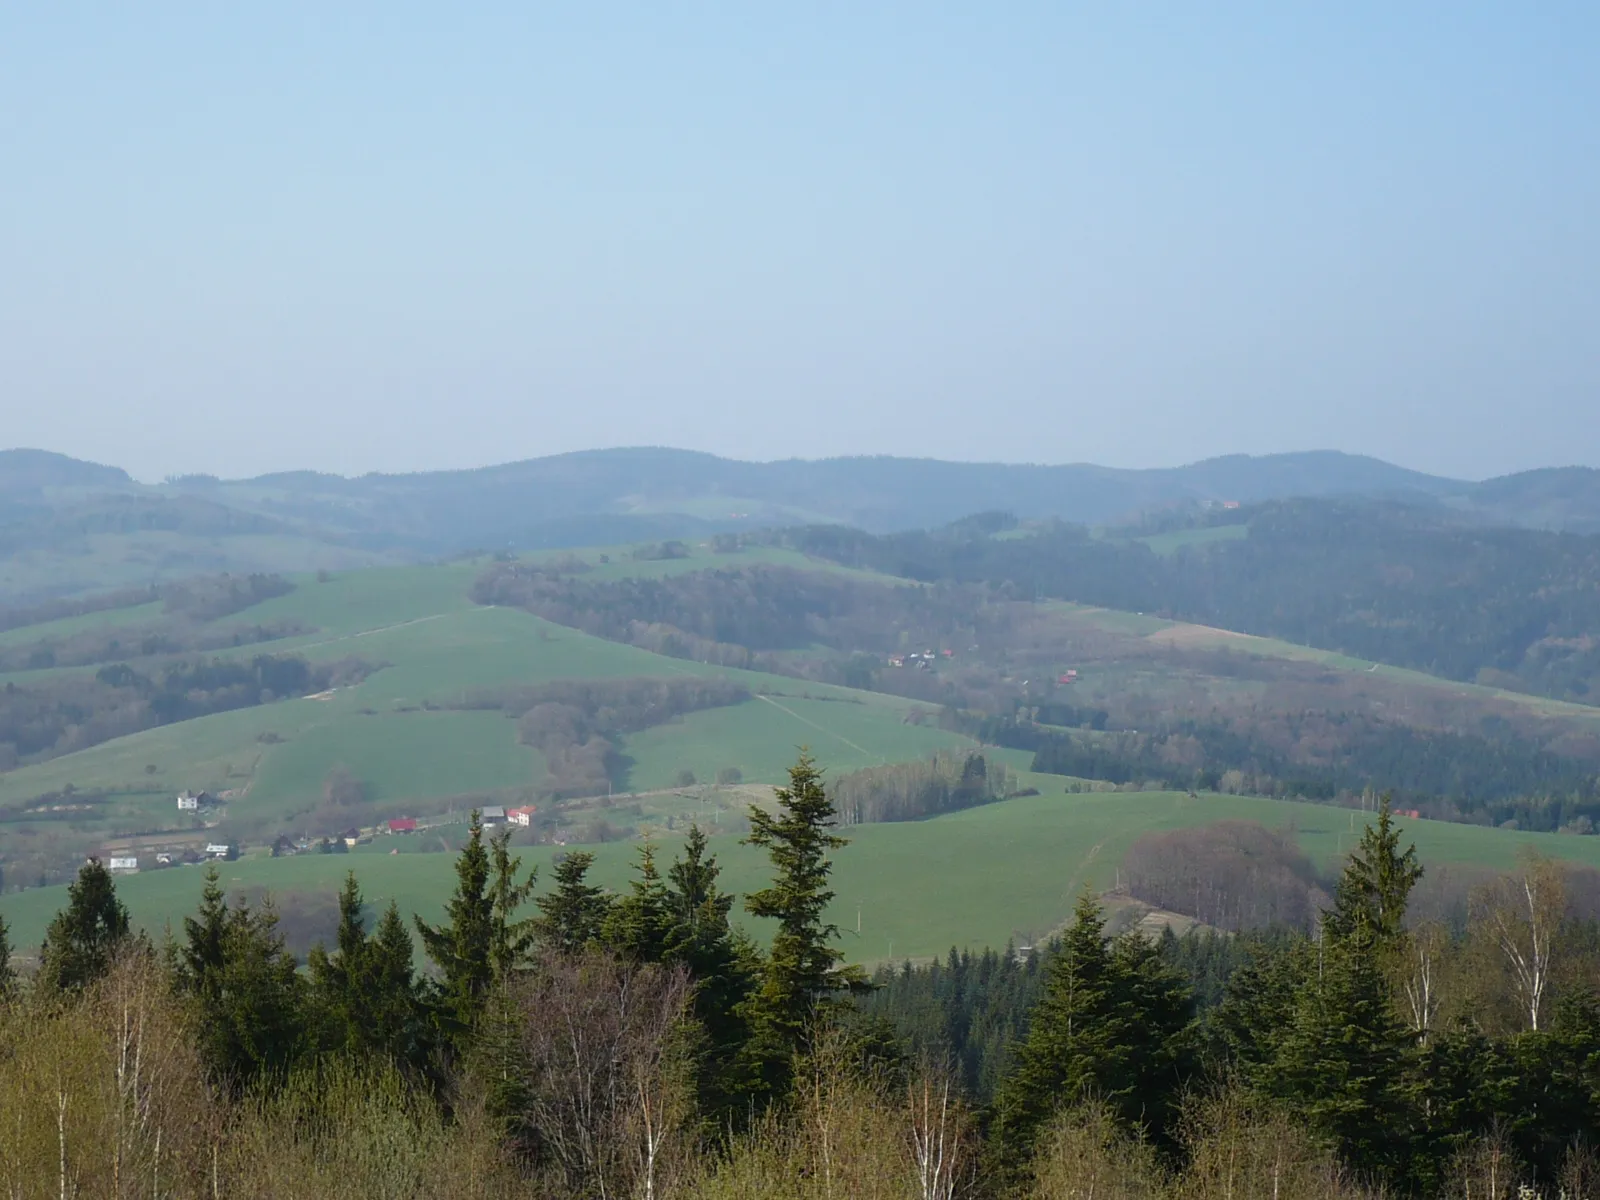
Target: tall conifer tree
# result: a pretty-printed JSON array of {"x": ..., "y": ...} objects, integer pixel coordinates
[{"x": 84, "y": 937}]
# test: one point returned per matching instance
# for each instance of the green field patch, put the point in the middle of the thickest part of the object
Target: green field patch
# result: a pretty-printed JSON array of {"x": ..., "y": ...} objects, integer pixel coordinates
[
  {"x": 761, "y": 738},
  {"x": 396, "y": 756}
]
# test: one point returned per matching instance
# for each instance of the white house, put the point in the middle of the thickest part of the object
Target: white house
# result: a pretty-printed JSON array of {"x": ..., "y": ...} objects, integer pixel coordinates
[
  {"x": 123, "y": 864},
  {"x": 188, "y": 803},
  {"x": 217, "y": 850},
  {"x": 521, "y": 816}
]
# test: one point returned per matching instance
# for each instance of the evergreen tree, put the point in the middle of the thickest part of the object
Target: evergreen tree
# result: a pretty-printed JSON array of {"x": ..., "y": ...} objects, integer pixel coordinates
[
  {"x": 393, "y": 1008},
  {"x": 724, "y": 967},
  {"x": 462, "y": 947},
  {"x": 639, "y": 926},
  {"x": 84, "y": 937},
  {"x": 574, "y": 915},
  {"x": 200, "y": 960},
  {"x": 511, "y": 937},
  {"x": 1111, "y": 1025},
  {"x": 245, "y": 986},
  {"x": 802, "y": 968},
  {"x": 339, "y": 982},
  {"x": 1376, "y": 883},
  {"x": 1342, "y": 1060}
]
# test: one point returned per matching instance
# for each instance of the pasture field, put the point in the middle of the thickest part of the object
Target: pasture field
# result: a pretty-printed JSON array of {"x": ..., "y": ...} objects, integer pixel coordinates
[{"x": 1009, "y": 870}]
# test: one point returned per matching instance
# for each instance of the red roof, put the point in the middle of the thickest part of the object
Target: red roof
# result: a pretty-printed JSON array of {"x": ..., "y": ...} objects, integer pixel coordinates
[
  {"x": 403, "y": 825},
  {"x": 530, "y": 809}
]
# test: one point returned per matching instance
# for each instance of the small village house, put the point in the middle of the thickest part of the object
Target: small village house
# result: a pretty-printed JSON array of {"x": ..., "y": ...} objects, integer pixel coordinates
[
  {"x": 522, "y": 816},
  {"x": 403, "y": 825},
  {"x": 123, "y": 863}
]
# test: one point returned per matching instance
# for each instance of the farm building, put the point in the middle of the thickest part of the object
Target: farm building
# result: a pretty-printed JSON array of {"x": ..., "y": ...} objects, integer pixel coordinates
[
  {"x": 494, "y": 814},
  {"x": 522, "y": 816},
  {"x": 403, "y": 825},
  {"x": 194, "y": 801},
  {"x": 119, "y": 863},
  {"x": 218, "y": 850}
]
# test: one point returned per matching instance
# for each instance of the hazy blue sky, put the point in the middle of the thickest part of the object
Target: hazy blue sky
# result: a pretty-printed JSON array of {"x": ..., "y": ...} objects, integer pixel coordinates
[{"x": 240, "y": 237}]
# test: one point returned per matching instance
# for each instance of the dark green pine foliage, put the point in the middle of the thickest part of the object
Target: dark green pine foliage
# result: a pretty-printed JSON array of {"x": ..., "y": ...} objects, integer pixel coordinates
[
  {"x": 573, "y": 916},
  {"x": 1376, "y": 884},
  {"x": 462, "y": 947},
  {"x": 802, "y": 968},
  {"x": 365, "y": 992},
  {"x": 1258, "y": 1007},
  {"x": 1113, "y": 1024},
  {"x": 1344, "y": 1057},
  {"x": 1342, "y": 1061},
  {"x": 639, "y": 925},
  {"x": 245, "y": 986},
  {"x": 969, "y": 1010},
  {"x": 723, "y": 964},
  {"x": 84, "y": 937},
  {"x": 511, "y": 937}
]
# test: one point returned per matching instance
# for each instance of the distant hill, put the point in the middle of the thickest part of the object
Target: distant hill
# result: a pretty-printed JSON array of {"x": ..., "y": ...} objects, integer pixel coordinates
[{"x": 69, "y": 526}]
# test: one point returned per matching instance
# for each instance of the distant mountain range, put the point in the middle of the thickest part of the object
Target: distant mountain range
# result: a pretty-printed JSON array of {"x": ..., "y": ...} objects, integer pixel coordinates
[{"x": 67, "y": 525}]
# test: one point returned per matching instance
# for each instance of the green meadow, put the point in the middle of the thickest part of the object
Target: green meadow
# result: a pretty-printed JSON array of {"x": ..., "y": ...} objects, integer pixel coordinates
[{"x": 1009, "y": 870}]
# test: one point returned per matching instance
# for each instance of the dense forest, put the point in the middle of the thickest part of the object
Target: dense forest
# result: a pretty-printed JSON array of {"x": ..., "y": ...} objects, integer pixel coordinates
[
  {"x": 566, "y": 1041},
  {"x": 59, "y": 714},
  {"x": 1395, "y": 583},
  {"x": 1499, "y": 780}
]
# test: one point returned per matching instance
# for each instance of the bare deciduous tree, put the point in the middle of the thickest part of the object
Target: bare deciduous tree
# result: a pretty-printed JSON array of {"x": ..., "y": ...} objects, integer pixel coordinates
[
  {"x": 606, "y": 1103},
  {"x": 1524, "y": 912}
]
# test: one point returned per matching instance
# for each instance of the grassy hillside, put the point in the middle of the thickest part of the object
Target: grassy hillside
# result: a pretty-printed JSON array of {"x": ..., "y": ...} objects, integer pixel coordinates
[{"x": 978, "y": 877}]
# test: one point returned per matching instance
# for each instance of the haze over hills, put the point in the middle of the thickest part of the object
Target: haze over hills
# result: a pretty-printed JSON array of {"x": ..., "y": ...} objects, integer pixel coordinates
[{"x": 68, "y": 526}]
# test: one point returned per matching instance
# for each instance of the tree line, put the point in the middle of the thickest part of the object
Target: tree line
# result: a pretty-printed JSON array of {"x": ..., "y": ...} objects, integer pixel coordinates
[
  {"x": 47, "y": 717},
  {"x": 566, "y": 1041}
]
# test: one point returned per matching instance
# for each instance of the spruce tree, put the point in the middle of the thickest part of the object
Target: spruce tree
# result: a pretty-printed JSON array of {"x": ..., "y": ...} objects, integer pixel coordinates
[
  {"x": 339, "y": 981},
  {"x": 201, "y": 958},
  {"x": 1111, "y": 1024},
  {"x": 245, "y": 986},
  {"x": 1342, "y": 1061},
  {"x": 1376, "y": 883},
  {"x": 392, "y": 1006},
  {"x": 724, "y": 966},
  {"x": 511, "y": 936},
  {"x": 84, "y": 937},
  {"x": 639, "y": 926},
  {"x": 802, "y": 968},
  {"x": 462, "y": 947},
  {"x": 573, "y": 916}
]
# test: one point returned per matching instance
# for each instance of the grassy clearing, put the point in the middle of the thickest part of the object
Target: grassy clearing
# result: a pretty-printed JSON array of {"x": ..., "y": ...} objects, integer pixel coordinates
[
  {"x": 760, "y": 738},
  {"x": 1008, "y": 870},
  {"x": 1166, "y": 544}
]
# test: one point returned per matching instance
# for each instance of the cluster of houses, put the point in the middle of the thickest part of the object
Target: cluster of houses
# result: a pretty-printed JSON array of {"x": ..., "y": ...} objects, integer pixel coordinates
[
  {"x": 126, "y": 864},
  {"x": 923, "y": 661}
]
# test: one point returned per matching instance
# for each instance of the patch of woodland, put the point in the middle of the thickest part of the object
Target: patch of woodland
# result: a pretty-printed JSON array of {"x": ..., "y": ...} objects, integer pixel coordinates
[
  {"x": 576, "y": 724},
  {"x": 60, "y": 714},
  {"x": 945, "y": 782}
]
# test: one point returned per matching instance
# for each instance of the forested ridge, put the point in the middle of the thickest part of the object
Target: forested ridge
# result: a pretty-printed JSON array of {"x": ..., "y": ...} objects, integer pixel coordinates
[
  {"x": 568, "y": 1041},
  {"x": 1224, "y": 721},
  {"x": 1395, "y": 583}
]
